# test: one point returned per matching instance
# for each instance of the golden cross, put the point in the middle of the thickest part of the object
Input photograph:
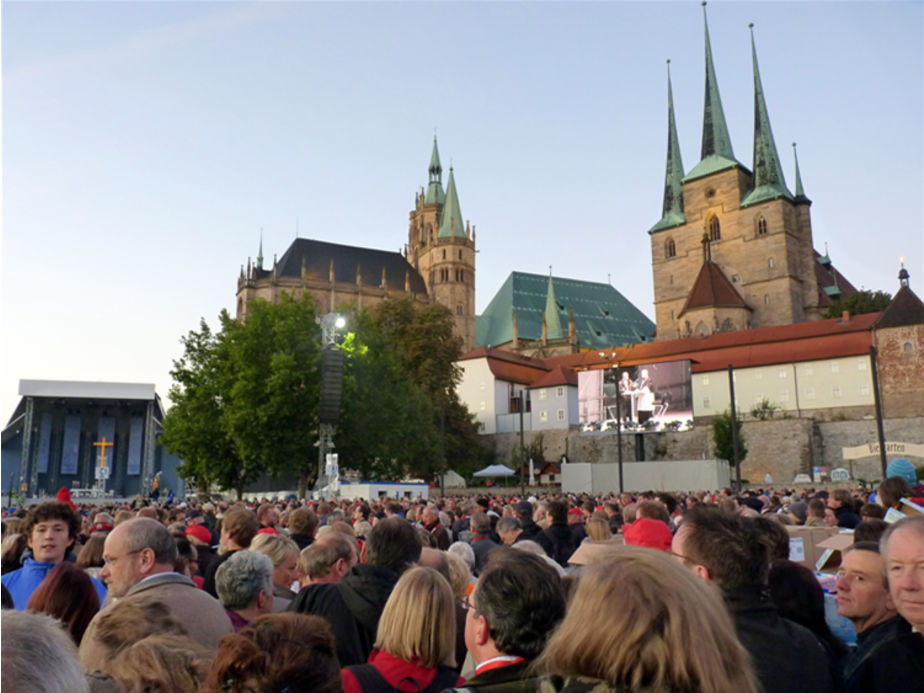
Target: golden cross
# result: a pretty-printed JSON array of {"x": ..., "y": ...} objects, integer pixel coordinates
[{"x": 102, "y": 453}]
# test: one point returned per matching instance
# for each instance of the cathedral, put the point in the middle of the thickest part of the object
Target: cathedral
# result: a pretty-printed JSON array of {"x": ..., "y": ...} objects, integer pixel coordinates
[
  {"x": 733, "y": 248},
  {"x": 437, "y": 265}
]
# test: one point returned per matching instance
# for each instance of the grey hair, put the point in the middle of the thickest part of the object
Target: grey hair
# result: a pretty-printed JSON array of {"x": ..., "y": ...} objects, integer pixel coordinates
[
  {"x": 322, "y": 554},
  {"x": 915, "y": 523},
  {"x": 465, "y": 552},
  {"x": 241, "y": 578},
  {"x": 505, "y": 524},
  {"x": 30, "y": 643},
  {"x": 145, "y": 533}
]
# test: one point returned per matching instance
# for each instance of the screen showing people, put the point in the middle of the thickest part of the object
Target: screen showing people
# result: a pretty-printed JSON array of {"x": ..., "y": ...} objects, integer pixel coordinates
[{"x": 649, "y": 397}]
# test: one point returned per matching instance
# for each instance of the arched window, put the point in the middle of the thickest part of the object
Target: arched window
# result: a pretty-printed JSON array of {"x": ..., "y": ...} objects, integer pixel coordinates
[
  {"x": 761, "y": 226},
  {"x": 670, "y": 248},
  {"x": 459, "y": 309},
  {"x": 715, "y": 231},
  {"x": 444, "y": 253}
]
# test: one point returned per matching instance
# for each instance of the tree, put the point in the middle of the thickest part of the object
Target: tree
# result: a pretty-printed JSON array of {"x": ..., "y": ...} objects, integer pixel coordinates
[
  {"x": 722, "y": 438},
  {"x": 863, "y": 301}
]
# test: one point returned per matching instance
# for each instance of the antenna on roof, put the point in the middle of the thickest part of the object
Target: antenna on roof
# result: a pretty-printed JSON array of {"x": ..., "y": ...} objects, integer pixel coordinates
[
  {"x": 550, "y": 270},
  {"x": 609, "y": 278},
  {"x": 296, "y": 227}
]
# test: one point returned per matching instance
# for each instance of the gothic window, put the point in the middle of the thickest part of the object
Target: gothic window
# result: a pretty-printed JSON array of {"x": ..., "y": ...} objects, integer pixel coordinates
[
  {"x": 444, "y": 253},
  {"x": 761, "y": 226},
  {"x": 460, "y": 254},
  {"x": 715, "y": 231},
  {"x": 459, "y": 309},
  {"x": 670, "y": 248}
]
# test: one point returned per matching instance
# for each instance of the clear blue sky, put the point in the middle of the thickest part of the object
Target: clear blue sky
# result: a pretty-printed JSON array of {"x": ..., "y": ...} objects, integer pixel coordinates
[{"x": 145, "y": 144}]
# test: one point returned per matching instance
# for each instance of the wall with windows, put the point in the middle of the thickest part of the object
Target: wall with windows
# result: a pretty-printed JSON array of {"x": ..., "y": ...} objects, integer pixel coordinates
[
  {"x": 554, "y": 407},
  {"x": 793, "y": 387}
]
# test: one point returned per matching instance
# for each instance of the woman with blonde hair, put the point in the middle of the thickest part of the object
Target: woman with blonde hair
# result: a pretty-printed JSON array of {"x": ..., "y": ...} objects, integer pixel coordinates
[
  {"x": 414, "y": 648},
  {"x": 656, "y": 626},
  {"x": 598, "y": 529},
  {"x": 161, "y": 664},
  {"x": 283, "y": 552}
]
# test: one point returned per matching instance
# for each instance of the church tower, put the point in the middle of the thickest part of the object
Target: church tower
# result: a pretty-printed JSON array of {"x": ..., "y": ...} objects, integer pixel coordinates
[
  {"x": 733, "y": 248},
  {"x": 442, "y": 248}
]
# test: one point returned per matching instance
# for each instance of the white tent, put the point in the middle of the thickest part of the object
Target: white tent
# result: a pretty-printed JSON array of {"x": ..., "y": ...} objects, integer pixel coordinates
[
  {"x": 453, "y": 479},
  {"x": 495, "y": 470}
]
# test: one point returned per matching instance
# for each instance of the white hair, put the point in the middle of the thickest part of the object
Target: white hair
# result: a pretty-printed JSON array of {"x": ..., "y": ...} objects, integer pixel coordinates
[
  {"x": 241, "y": 578},
  {"x": 465, "y": 552},
  {"x": 38, "y": 655}
]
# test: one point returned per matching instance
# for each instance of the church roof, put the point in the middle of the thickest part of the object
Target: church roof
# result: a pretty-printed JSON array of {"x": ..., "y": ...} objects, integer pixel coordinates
[
  {"x": 435, "y": 192},
  {"x": 451, "y": 223},
  {"x": 318, "y": 255},
  {"x": 672, "y": 209},
  {"x": 712, "y": 289},
  {"x": 832, "y": 285},
  {"x": 602, "y": 315},
  {"x": 904, "y": 309}
]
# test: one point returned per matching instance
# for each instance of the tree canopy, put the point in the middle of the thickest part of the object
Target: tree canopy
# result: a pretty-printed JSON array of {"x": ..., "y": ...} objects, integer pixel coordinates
[{"x": 863, "y": 301}]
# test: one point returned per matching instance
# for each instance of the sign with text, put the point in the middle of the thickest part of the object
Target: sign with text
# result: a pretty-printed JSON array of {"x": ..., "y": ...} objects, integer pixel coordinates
[{"x": 891, "y": 448}]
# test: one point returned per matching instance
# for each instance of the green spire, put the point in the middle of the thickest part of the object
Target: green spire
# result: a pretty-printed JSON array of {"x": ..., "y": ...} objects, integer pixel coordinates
[
  {"x": 435, "y": 186},
  {"x": 672, "y": 211},
  {"x": 451, "y": 218},
  {"x": 716, "y": 154},
  {"x": 768, "y": 174},
  {"x": 800, "y": 193},
  {"x": 551, "y": 317},
  {"x": 260, "y": 251}
]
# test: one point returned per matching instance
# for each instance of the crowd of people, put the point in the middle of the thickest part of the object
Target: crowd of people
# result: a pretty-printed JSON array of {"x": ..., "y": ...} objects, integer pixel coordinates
[{"x": 673, "y": 592}]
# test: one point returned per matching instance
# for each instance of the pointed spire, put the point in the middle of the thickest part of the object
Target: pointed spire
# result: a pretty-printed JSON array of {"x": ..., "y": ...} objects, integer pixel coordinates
[
  {"x": 435, "y": 186},
  {"x": 768, "y": 174},
  {"x": 903, "y": 276},
  {"x": 800, "y": 197},
  {"x": 451, "y": 218},
  {"x": 260, "y": 251},
  {"x": 672, "y": 210},
  {"x": 716, "y": 153},
  {"x": 551, "y": 318}
]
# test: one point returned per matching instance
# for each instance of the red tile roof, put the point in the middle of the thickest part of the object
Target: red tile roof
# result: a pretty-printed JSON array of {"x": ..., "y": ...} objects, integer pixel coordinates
[{"x": 556, "y": 376}]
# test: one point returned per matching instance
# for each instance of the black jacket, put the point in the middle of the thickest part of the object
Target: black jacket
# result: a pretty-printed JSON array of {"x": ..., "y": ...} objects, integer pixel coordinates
[
  {"x": 786, "y": 656},
  {"x": 303, "y": 541},
  {"x": 561, "y": 539},
  {"x": 846, "y": 517},
  {"x": 889, "y": 657},
  {"x": 352, "y": 607},
  {"x": 513, "y": 678},
  {"x": 533, "y": 532}
]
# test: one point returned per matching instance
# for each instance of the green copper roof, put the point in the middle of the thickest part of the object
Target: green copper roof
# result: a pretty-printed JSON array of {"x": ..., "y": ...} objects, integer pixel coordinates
[
  {"x": 451, "y": 219},
  {"x": 603, "y": 317},
  {"x": 260, "y": 252},
  {"x": 551, "y": 316},
  {"x": 769, "y": 183},
  {"x": 672, "y": 210},
  {"x": 800, "y": 197},
  {"x": 435, "y": 185},
  {"x": 715, "y": 132}
]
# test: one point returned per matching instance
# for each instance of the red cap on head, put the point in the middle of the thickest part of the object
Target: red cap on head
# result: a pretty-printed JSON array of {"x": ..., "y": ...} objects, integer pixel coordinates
[
  {"x": 654, "y": 534},
  {"x": 200, "y": 532}
]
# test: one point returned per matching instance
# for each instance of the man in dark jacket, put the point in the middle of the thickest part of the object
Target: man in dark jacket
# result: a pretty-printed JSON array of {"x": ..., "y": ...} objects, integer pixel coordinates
[
  {"x": 354, "y": 605},
  {"x": 482, "y": 543},
  {"x": 517, "y": 603},
  {"x": 726, "y": 549},
  {"x": 842, "y": 505},
  {"x": 559, "y": 535}
]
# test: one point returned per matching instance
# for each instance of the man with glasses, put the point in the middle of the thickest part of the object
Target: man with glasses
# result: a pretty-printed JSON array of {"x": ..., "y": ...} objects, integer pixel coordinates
[{"x": 139, "y": 557}]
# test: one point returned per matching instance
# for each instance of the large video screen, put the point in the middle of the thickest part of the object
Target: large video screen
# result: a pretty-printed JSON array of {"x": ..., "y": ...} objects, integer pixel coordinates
[{"x": 646, "y": 398}]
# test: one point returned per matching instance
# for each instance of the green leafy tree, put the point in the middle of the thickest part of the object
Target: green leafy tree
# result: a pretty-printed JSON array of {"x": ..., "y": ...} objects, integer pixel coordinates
[
  {"x": 722, "y": 439},
  {"x": 863, "y": 301}
]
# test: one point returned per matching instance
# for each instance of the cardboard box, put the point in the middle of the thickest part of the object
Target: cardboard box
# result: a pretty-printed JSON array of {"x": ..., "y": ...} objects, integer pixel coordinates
[
  {"x": 832, "y": 552},
  {"x": 803, "y": 543}
]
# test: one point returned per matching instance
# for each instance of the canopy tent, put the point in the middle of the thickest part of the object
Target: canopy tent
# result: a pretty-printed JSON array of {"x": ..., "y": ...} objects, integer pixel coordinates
[{"x": 495, "y": 470}]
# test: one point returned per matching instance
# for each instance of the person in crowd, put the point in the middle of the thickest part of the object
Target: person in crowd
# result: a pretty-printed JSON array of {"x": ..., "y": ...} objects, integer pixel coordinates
[
  {"x": 638, "y": 621},
  {"x": 201, "y": 538},
  {"x": 902, "y": 546},
  {"x": 303, "y": 523},
  {"x": 797, "y": 512},
  {"x": 354, "y": 605},
  {"x": 482, "y": 543},
  {"x": 798, "y": 596},
  {"x": 575, "y": 518},
  {"x": 439, "y": 537},
  {"x": 774, "y": 535},
  {"x": 863, "y": 598},
  {"x": 558, "y": 534},
  {"x": 245, "y": 586},
  {"x": 68, "y": 594},
  {"x": 140, "y": 556},
  {"x": 90, "y": 557},
  {"x": 891, "y": 491},
  {"x": 414, "y": 647},
  {"x": 517, "y": 603},
  {"x": 531, "y": 530},
  {"x": 268, "y": 518},
  {"x": 727, "y": 550},
  {"x": 871, "y": 511},
  {"x": 277, "y": 652},
  {"x": 238, "y": 528},
  {"x": 187, "y": 561},
  {"x": 51, "y": 529},
  {"x": 841, "y": 502},
  {"x": 598, "y": 529},
  {"x": 460, "y": 577},
  {"x": 327, "y": 560},
  {"x": 815, "y": 513},
  {"x": 12, "y": 550},
  {"x": 870, "y": 530},
  {"x": 38, "y": 655},
  {"x": 464, "y": 551},
  {"x": 160, "y": 663},
  {"x": 509, "y": 530},
  {"x": 461, "y": 528},
  {"x": 655, "y": 534},
  {"x": 283, "y": 552}
]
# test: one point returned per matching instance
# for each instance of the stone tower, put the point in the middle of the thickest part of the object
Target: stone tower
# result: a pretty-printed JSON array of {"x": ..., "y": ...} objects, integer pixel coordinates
[
  {"x": 442, "y": 248},
  {"x": 733, "y": 248}
]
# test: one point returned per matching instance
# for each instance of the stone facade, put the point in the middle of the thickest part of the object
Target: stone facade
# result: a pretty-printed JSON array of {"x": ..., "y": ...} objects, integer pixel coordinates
[
  {"x": 901, "y": 369},
  {"x": 765, "y": 250}
]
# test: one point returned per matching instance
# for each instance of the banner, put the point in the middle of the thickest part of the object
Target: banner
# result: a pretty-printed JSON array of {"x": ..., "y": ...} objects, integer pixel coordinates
[
  {"x": 70, "y": 449},
  {"x": 135, "y": 439},
  {"x": 105, "y": 431},
  {"x": 44, "y": 443},
  {"x": 892, "y": 448}
]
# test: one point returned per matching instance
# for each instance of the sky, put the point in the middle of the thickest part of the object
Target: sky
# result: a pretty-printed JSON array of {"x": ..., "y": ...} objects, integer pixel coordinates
[{"x": 147, "y": 144}]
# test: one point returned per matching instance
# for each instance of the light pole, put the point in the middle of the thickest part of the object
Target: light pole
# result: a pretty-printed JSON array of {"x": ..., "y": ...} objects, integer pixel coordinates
[{"x": 331, "y": 389}]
